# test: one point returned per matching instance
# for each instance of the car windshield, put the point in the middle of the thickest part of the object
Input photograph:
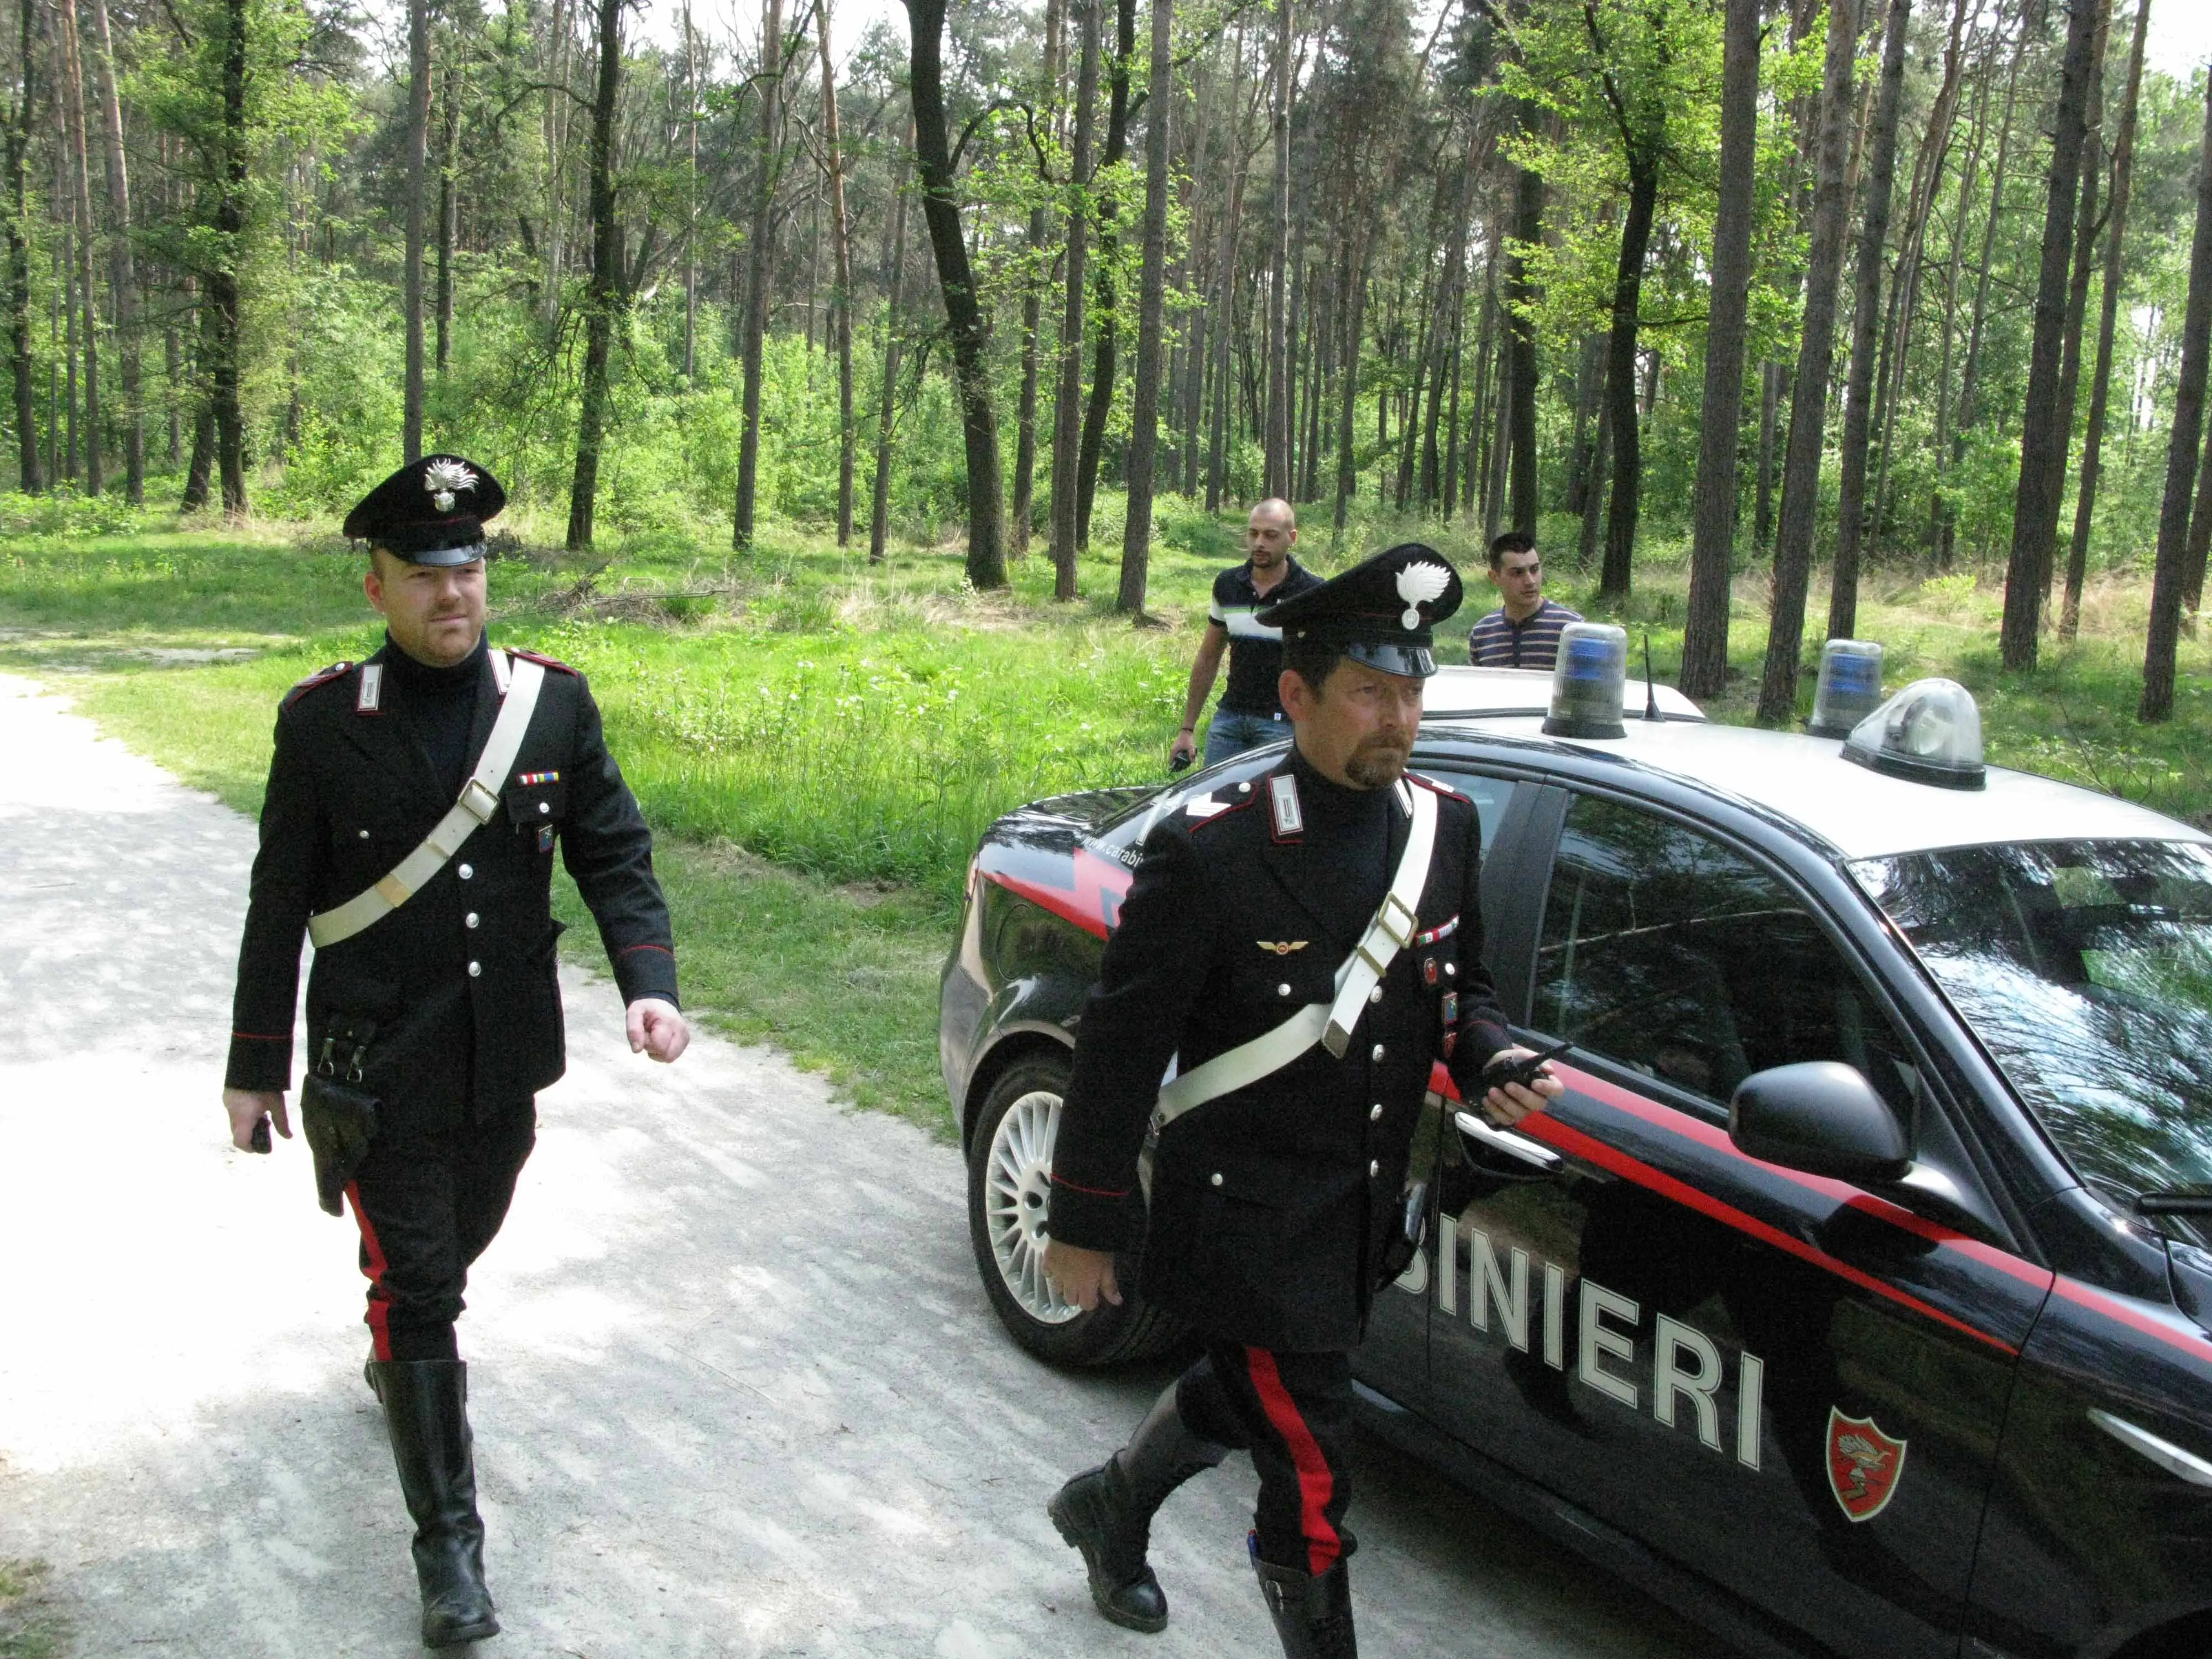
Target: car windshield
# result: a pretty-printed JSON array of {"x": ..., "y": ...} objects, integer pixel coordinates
[{"x": 2085, "y": 967}]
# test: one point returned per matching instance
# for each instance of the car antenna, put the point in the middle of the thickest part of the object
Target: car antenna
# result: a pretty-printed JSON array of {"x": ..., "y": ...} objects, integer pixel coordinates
[{"x": 1650, "y": 691}]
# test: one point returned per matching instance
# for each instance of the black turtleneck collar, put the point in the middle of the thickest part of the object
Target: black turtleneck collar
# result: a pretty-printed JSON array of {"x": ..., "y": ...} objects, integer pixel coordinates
[
  {"x": 438, "y": 706},
  {"x": 1332, "y": 802},
  {"x": 420, "y": 676}
]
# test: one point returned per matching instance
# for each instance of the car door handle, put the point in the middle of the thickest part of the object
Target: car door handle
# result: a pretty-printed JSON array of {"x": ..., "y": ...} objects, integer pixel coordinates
[{"x": 1513, "y": 1145}]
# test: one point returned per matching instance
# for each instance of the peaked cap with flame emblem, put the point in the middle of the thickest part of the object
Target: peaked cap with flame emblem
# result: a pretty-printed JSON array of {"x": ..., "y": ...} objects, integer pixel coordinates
[
  {"x": 1382, "y": 613},
  {"x": 431, "y": 512}
]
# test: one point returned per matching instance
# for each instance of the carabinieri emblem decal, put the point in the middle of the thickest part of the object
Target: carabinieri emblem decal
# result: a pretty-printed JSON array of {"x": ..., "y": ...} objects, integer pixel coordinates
[
  {"x": 1864, "y": 1464},
  {"x": 442, "y": 478}
]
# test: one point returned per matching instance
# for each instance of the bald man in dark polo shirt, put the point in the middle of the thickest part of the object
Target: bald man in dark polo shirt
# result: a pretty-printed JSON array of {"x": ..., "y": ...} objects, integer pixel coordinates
[{"x": 1250, "y": 713}]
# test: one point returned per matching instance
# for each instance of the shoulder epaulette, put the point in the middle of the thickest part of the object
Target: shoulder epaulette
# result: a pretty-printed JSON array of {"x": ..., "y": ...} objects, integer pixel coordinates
[
  {"x": 1434, "y": 788},
  {"x": 321, "y": 676},
  {"x": 545, "y": 661},
  {"x": 1211, "y": 809}
]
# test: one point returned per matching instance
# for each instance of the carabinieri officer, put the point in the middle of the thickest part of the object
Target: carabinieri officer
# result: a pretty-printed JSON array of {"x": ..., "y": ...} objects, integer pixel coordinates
[
  {"x": 1304, "y": 947},
  {"x": 414, "y": 804}
]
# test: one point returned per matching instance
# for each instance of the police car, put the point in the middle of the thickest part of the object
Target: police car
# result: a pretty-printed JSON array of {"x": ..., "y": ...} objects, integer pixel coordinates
[{"x": 1855, "y": 1297}]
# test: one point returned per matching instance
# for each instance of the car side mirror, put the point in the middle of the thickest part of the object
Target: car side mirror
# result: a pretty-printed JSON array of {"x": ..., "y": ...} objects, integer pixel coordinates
[{"x": 1820, "y": 1117}]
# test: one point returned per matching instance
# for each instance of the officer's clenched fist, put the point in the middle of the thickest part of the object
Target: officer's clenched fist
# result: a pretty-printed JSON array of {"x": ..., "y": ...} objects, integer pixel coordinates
[{"x": 657, "y": 1029}]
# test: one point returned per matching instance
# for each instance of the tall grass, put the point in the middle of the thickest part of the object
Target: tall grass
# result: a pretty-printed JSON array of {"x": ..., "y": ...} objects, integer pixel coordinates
[{"x": 879, "y": 755}]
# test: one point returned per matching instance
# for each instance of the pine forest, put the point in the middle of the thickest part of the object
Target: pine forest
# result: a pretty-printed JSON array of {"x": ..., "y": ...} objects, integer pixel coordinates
[{"x": 1800, "y": 291}]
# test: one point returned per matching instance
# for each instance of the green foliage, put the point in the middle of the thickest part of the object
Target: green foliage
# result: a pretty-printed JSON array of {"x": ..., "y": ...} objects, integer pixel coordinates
[{"x": 29, "y": 1628}]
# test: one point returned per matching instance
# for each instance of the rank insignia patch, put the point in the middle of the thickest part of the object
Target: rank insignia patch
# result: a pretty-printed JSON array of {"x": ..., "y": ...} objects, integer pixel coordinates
[
  {"x": 1282, "y": 947},
  {"x": 1864, "y": 1464}
]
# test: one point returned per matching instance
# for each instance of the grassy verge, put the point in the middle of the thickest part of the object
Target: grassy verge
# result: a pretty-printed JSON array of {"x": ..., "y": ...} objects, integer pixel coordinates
[
  {"x": 820, "y": 740},
  {"x": 29, "y": 1628}
]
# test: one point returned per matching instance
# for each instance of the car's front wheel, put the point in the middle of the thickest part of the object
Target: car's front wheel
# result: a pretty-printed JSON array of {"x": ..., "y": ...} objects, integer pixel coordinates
[{"x": 1009, "y": 1180}]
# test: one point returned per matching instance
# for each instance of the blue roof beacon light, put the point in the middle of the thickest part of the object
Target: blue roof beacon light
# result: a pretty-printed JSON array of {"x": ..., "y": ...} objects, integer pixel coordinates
[
  {"x": 1931, "y": 733},
  {"x": 1587, "y": 684},
  {"x": 1849, "y": 689}
]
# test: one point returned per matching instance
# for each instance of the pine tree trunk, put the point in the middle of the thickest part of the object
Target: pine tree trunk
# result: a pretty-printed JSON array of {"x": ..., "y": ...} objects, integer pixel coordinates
[
  {"x": 879, "y": 513},
  {"x": 2088, "y": 224},
  {"x": 1808, "y": 398},
  {"x": 965, "y": 322},
  {"x": 2042, "y": 438},
  {"x": 760, "y": 271},
  {"x": 1151, "y": 308},
  {"x": 1040, "y": 231},
  {"x": 840, "y": 302},
  {"x": 2200, "y": 544},
  {"x": 416, "y": 143},
  {"x": 1105, "y": 326},
  {"x": 605, "y": 292},
  {"x": 1348, "y": 467},
  {"x": 1276, "y": 437},
  {"x": 1195, "y": 357},
  {"x": 79, "y": 185},
  {"x": 122, "y": 268},
  {"x": 691, "y": 201},
  {"x": 2100, "y": 379},
  {"x": 1970, "y": 374},
  {"x": 1866, "y": 317},
  {"x": 1067, "y": 402},
  {"x": 1928, "y": 169},
  {"x": 2166, "y": 581},
  {"x": 222, "y": 296},
  {"x": 1620, "y": 374},
  {"x": 1594, "y": 499},
  {"x": 448, "y": 216},
  {"x": 556, "y": 151},
  {"x": 1705, "y": 637},
  {"x": 1520, "y": 333},
  {"x": 1941, "y": 453},
  {"x": 1770, "y": 400},
  {"x": 30, "y": 474}
]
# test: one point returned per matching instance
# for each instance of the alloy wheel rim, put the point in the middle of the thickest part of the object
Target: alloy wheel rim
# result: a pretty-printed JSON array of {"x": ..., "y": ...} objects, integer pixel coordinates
[{"x": 1016, "y": 1182}]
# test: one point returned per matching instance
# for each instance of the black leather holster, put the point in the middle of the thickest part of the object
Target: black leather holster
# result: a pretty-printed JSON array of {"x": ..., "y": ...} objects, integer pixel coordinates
[{"x": 336, "y": 1115}]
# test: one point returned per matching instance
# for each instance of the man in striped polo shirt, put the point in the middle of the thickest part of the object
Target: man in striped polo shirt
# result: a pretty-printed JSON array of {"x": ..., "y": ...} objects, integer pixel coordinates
[
  {"x": 1250, "y": 713},
  {"x": 1524, "y": 631}
]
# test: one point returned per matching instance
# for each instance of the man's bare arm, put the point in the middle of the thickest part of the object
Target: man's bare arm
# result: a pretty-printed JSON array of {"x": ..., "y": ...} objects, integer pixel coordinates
[{"x": 1203, "y": 669}]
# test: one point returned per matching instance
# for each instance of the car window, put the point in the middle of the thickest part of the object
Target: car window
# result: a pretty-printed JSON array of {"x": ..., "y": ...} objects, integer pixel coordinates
[
  {"x": 1491, "y": 796},
  {"x": 2086, "y": 968},
  {"x": 1669, "y": 953}
]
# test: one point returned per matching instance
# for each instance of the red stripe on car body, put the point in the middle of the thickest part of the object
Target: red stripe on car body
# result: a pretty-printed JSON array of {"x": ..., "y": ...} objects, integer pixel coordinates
[
  {"x": 1550, "y": 1130},
  {"x": 2171, "y": 1332},
  {"x": 1091, "y": 901}
]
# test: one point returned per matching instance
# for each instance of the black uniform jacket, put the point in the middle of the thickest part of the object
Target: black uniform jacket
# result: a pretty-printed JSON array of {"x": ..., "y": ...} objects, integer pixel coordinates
[
  {"x": 1270, "y": 1207},
  {"x": 460, "y": 980}
]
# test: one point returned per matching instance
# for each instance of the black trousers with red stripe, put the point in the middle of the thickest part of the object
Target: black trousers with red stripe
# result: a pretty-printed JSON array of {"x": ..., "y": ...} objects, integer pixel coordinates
[
  {"x": 1293, "y": 1412},
  {"x": 427, "y": 1205}
]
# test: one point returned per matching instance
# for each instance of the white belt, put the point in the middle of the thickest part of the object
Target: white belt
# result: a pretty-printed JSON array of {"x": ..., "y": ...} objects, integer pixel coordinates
[
  {"x": 1329, "y": 1024},
  {"x": 478, "y": 804}
]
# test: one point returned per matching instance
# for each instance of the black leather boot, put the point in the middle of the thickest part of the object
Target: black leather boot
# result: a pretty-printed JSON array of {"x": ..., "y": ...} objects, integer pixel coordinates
[
  {"x": 426, "y": 1407},
  {"x": 1107, "y": 1513},
  {"x": 1312, "y": 1615}
]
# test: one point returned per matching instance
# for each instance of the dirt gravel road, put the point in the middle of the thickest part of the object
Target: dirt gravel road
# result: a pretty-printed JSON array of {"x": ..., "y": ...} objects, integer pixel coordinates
[{"x": 736, "y": 1388}]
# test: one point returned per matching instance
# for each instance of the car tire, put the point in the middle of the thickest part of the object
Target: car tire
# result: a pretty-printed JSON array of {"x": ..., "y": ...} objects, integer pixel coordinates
[{"x": 1009, "y": 1165}]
